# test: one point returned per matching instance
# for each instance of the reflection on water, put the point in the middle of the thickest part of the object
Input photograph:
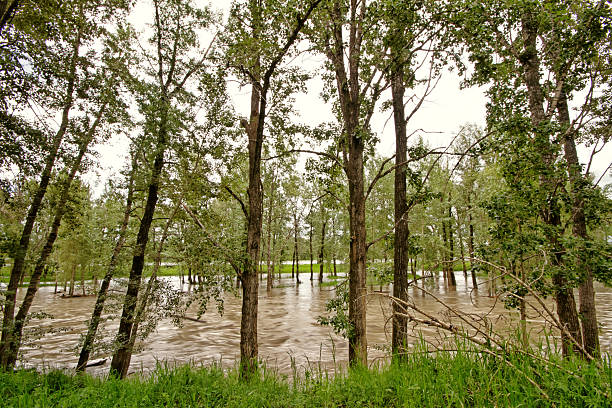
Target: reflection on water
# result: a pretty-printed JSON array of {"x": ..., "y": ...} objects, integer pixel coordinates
[{"x": 288, "y": 331}]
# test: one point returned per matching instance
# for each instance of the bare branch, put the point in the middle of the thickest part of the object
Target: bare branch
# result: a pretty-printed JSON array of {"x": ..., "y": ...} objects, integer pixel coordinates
[{"x": 244, "y": 210}]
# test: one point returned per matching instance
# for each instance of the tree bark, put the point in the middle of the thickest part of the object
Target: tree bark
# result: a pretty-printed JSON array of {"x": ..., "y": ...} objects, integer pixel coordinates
[
  {"x": 445, "y": 248},
  {"x": 471, "y": 244},
  {"x": 462, "y": 253},
  {"x": 588, "y": 314},
  {"x": 311, "y": 254},
  {"x": 270, "y": 272},
  {"x": 451, "y": 245},
  {"x": 24, "y": 241},
  {"x": 140, "y": 312},
  {"x": 322, "y": 246},
  {"x": 295, "y": 245},
  {"x": 72, "y": 277},
  {"x": 333, "y": 231},
  {"x": 110, "y": 272},
  {"x": 293, "y": 263},
  {"x": 399, "y": 337}
]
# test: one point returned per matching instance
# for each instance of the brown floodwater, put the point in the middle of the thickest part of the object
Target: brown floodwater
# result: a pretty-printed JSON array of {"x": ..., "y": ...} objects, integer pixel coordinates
[{"x": 290, "y": 339}]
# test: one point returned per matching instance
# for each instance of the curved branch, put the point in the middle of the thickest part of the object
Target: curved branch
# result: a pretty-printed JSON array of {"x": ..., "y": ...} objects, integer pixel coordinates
[{"x": 244, "y": 210}]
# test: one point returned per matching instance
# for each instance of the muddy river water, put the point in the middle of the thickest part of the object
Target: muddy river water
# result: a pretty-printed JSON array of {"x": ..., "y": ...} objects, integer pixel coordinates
[{"x": 290, "y": 339}]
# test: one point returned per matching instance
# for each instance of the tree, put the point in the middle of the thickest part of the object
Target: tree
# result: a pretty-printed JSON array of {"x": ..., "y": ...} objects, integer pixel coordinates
[
  {"x": 357, "y": 88},
  {"x": 110, "y": 272},
  {"x": 531, "y": 38},
  {"x": 68, "y": 84},
  {"x": 259, "y": 60},
  {"x": 174, "y": 40}
]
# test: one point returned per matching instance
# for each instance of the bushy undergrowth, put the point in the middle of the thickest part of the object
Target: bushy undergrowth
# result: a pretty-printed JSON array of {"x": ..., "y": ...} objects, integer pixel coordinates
[{"x": 461, "y": 379}]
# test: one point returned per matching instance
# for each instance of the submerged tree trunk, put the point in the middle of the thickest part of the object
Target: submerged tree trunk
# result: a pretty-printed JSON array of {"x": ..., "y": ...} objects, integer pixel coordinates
[
  {"x": 311, "y": 254},
  {"x": 462, "y": 253},
  {"x": 24, "y": 242},
  {"x": 295, "y": 245},
  {"x": 270, "y": 271},
  {"x": 72, "y": 277},
  {"x": 110, "y": 272},
  {"x": 471, "y": 244},
  {"x": 451, "y": 246},
  {"x": 321, "y": 248},
  {"x": 444, "y": 250}
]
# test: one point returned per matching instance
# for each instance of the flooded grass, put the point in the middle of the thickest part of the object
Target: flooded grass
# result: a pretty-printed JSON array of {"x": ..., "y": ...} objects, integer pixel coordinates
[{"x": 461, "y": 378}]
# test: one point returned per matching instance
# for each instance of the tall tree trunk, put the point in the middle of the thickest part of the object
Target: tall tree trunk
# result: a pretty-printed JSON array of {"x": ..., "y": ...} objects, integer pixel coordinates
[
  {"x": 24, "y": 241},
  {"x": 9, "y": 357},
  {"x": 311, "y": 254},
  {"x": 588, "y": 314},
  {"x": 399, "y": 338},
  {"x": 110, "y": 272},
  {"x": 471, "y": 244},
  {"x": 444, "y": 251},
  {"x": 357, "y": 255},
  {"x": 293, "y": 263},
  {"x": 322, "y": 247},
  {"x": 142, "y": 307},
  {"x": 297, "y": 252},
  {"x": 250, "y": 285},
  {"x": 564, "y": 296},
  {"x": 333, "y": 244},
  {"x": 72, "y": 277},
  {"x": 451, "y": 245},
  {"x": 255, "y": 132},
  {"x": 135, "y": 277},
  {"x": 462, "y": 253},
  {"x": 270, "y": 272},
  {"x": 349, "y": 94}
]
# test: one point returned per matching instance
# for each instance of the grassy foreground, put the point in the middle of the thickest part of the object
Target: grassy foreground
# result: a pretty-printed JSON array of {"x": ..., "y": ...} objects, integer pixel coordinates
[{"x": 462, "y": 379}]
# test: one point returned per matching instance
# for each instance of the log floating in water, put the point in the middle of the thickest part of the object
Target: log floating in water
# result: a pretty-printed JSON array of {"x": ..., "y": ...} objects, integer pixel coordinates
[{"x": 95, "y": 363}]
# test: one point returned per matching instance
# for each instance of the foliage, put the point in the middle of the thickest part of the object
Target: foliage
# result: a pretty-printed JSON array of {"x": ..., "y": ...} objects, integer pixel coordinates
[{"x": 337, "y": 307}]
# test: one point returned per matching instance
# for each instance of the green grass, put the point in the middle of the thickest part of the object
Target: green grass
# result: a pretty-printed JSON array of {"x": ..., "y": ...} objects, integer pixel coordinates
[
  {"x": 305, "y": 268},
  {"x": 447, "y": 379}
]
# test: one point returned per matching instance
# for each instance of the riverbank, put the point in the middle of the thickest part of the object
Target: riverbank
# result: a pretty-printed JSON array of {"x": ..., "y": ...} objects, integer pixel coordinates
[{"x": 446, "y": 379}]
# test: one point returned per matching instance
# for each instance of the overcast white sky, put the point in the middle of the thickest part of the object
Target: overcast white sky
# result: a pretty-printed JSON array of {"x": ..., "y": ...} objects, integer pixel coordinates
[{"x": 445, "y": 111}]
